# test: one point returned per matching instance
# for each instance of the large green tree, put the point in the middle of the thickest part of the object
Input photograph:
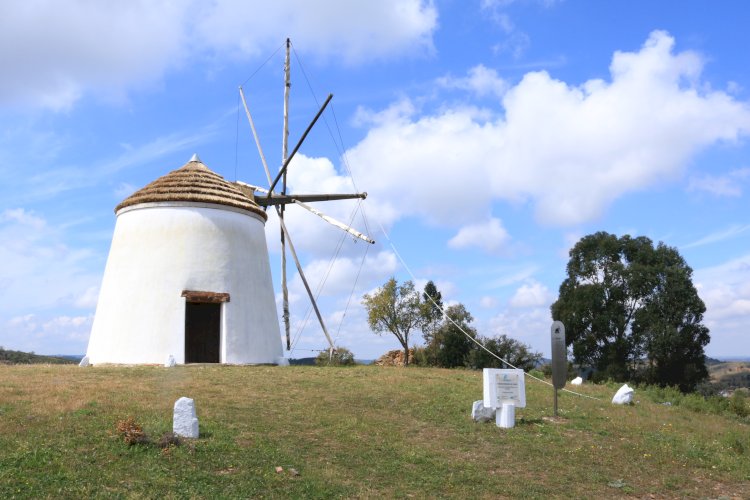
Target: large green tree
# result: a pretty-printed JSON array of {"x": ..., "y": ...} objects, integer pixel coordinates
[
  {"x": 432, "y": 310},
  {"x": 511, "y": 350},
  {"x": 449, "y": 346},
  {"x": 625, "y": 300},
  {"x": 396, "y": 309}
]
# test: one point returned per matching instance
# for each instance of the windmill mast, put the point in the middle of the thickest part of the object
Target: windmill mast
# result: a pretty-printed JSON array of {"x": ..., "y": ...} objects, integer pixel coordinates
[{"x": 284, "y": 153}]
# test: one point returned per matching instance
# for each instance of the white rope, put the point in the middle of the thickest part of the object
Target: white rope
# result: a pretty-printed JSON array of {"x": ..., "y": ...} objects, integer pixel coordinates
[{"x": 403, "y": 263}]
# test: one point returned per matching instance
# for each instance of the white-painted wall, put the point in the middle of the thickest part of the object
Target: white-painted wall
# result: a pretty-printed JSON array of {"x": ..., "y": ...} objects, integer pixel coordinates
[{"x": 160, "y": 249}]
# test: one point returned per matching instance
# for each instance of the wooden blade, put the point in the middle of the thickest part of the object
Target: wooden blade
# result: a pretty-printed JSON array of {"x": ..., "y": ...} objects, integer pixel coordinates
[
  {"x": 334, "y": 222},
  {"x": 299, "y": 143},
  {"x": 255, "y": 135}
]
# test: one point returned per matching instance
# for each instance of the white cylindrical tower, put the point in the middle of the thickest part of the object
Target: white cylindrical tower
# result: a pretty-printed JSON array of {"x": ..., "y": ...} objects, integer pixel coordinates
[{"x": 187, "y": 275}]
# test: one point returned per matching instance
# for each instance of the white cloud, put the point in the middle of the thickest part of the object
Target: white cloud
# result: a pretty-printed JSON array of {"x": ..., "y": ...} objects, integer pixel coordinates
[
  {"x": 722, "y": 235},
  {"x": 531, "y": 294},
  {"x": 725, "y": 289},
  {"x": 53, "y": 53},
  {"x": 571, "y": 150},
  {"x": 39, "y": 270},
  {"x": 729, "y": 184},
  {"x": 47, "y": 335},
  {"x": 490, "y": 236},
  {"x": 481, "y": 81},
  {"x": 530, "y": 326},
  {"x": 488, "y": 302},
  {"x": 88, "y": 299},
  {"x": 336, "y": 281},
  {"x": 352, "y": 31}
]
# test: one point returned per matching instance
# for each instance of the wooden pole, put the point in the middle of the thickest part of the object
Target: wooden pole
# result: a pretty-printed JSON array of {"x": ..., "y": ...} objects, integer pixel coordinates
[
  {"x": 304, "y": 281},
  {"x": 280, "y": 210}
]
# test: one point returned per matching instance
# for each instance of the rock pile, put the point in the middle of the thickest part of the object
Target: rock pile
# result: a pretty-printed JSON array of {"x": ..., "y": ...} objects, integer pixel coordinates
[{"x": 394, "y": 358}]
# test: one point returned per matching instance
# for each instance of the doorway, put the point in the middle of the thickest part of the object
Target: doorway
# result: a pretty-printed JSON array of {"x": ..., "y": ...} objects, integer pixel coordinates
[{"x": 202, "y": 332}]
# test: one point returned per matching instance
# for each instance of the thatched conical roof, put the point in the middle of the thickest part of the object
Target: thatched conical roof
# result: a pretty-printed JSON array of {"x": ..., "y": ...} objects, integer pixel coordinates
[{"x": 195, "y": 182}]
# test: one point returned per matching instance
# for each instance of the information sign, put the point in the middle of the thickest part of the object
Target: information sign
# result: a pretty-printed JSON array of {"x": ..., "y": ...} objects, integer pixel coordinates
[{"x": 504, "y": 386}]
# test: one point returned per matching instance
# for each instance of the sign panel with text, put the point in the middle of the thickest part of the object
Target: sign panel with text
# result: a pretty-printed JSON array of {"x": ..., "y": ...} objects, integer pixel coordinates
[{"x": 504, "y": 386}]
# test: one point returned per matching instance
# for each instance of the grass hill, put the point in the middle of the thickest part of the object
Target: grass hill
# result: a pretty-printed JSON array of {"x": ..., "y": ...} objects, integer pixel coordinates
[
  {"x": 363, "y": 431},
  {"x": 27, "y": 358}
]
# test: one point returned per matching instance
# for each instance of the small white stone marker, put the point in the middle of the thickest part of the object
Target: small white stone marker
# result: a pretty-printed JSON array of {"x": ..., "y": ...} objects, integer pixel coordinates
[
  {"x": 170, "y": 362},
  {"x": 623, "y": 396},
  {"x": 576, "y": 381},
  {"x": 185, "y": 421},
  {"x": 84, "y": 362}
]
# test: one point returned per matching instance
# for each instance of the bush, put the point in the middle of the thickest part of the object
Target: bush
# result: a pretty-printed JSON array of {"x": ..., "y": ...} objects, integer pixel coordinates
[
  {"x": 341, "y": 357},
  {"x": 537, "y": 373},
  {"x": 736, "y": 405}
]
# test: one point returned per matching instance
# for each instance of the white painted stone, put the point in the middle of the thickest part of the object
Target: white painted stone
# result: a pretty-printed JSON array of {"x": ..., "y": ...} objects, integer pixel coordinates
[
  {"x": 624, "y": 395},
  {"x": 170, "y": 362},
  {"x": 576, "y": 381},
  {"x": 479, "y": 413},
  {"x": 282, "y": 361},
  {"x": 505, "y": 417},
  {"x": 185, "y": 421},
  {"x": 84, "y": 362}
]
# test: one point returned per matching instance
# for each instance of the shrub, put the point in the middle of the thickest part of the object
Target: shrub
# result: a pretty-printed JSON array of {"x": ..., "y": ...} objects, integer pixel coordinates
[
  {"x": 341, "y": 357},
  {"x": 738, "y": 404},
  {"x": 537, "y": 373}
]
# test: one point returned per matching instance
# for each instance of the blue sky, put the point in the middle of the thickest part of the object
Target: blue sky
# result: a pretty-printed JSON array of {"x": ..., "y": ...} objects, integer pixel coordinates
[{"x": 490, "y": 135}]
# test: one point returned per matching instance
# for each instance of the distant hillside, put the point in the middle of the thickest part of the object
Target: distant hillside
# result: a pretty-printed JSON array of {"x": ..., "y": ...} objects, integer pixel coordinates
[
  {"x": 730, "y": 374},
  {"x": 29, "y": 358}
]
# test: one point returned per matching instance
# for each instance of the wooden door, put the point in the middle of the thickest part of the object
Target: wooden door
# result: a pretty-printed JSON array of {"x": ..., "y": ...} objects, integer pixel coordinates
[{"x": 202, "y": 332}]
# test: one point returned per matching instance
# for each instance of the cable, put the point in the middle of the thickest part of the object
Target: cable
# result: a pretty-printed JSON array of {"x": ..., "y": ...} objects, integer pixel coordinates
[
  {"x": 262, "y": 65},
  {"x": 403, "y": 263}
]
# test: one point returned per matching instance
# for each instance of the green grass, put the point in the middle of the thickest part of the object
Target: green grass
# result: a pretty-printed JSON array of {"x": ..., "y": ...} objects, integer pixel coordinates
[{"x": 349, "y": 432}]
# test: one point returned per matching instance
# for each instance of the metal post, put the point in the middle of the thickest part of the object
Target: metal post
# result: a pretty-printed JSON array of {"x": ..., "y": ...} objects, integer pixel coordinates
[{"x": 555, "y": 389}]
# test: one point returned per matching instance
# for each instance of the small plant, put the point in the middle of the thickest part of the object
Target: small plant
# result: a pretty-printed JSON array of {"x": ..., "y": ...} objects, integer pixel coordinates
[
  {"x": 131, "y": 432},
  {"x": 537, "y": 373},
  {"x": 738, "y": 404}
]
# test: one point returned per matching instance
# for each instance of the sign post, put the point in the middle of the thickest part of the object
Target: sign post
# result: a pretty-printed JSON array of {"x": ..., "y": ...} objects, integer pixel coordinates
[{"x": 559, "y": 358}]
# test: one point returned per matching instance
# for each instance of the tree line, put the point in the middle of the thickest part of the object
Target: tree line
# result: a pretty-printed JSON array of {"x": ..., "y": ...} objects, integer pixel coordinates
[
  {"x": 449, "y": 339},
  {"x": 630, "y": 310}
]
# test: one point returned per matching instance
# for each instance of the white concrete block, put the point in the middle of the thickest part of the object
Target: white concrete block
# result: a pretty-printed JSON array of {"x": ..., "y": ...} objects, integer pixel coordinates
[
  {"x": 506, "y": 416},
  {"x": 576, "y": 381},
  {"x": 185, "y": 421}
]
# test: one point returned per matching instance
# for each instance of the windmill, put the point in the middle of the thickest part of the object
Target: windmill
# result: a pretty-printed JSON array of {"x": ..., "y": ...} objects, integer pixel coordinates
[
  {"x": 269, "y": 198},
  {"x": 188, "y": 276}
]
